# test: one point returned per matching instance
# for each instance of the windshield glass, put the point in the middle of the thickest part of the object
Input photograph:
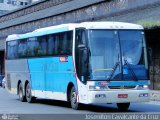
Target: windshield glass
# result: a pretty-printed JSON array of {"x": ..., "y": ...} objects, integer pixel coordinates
[
  {"x": 131, "y": 45},
  {"x": 106, "y": 46},
  {"x": 132, "y": 55},
  {"x": 104, "y": 50}
]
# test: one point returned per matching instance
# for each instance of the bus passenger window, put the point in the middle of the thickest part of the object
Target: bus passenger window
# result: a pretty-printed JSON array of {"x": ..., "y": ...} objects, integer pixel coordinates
[
  {"x": 42, "y": 48},
  {"x": 69, "y": 42},
  {"x": 22, "y": 48},
  {"x": 64, "y": 44},
  {"x": 12, "y": 50},
  {"x": 51, "y": 47},
  {"x": 56, "y": 44},
  {"x": 61, "y": 44},
  {"x": 32, "y": 47}
]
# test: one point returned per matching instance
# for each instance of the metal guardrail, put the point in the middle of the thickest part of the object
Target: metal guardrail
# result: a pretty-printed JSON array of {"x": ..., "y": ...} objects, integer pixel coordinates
[{"x": 43, "y": 4}]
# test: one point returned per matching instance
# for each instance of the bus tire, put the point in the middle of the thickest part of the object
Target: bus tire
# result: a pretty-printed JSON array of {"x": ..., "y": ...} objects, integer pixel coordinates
[
  {"x": 29, "y": 97},
  {"x": 21, "y": 93},
  {"x": 123, "y": 106},
  {"x": 73, "y": 99}
]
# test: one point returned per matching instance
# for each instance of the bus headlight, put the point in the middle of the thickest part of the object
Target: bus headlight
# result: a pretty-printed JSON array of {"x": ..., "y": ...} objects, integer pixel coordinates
[
  {"x": 143, "y": 95},
  {"x": 91, "y": 87},
  {"x": 142, "y": 87}
]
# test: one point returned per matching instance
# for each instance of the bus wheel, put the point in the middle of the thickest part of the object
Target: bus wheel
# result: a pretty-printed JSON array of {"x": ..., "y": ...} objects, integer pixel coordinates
[
  {"x": 123, "y": 106},
  {"x": 20, "y": 93},
  {"x": 73, "y": 99},
  {"x": 29, "y": 97}
]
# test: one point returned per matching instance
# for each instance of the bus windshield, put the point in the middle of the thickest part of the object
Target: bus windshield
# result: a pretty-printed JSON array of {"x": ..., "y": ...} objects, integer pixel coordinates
[
  {"x": 116, "y": 55},
  {"x": 131, "y": 44}
]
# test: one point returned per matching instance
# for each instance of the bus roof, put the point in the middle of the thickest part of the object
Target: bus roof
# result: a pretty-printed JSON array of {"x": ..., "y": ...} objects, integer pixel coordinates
[{"x": 72, "y": 26}]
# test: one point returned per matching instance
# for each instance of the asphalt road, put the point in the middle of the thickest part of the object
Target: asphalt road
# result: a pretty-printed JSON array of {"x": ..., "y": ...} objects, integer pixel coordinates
[{"x": 9, "y": 104}]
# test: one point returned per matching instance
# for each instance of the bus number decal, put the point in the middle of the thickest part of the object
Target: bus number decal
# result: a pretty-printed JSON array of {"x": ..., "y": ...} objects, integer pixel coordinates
[{"x": 63, "y": 59}]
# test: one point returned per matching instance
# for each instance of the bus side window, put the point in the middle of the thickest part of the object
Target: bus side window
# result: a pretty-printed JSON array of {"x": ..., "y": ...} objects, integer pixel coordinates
[
  {"x": 32, "y": 47},
  {"x": 8, "y": 50},
  {"x": 22, "y": 48},
  {"x": 61, "y": 44},
  {"x": 51, "y": 44},
  {"x": 69, "y": 42},
  {"x": 56, "y": 44},
  {"x": 66, "y": 43},
  {"x": 42, "y": 48},
  {"x": 12, "y": 50}
]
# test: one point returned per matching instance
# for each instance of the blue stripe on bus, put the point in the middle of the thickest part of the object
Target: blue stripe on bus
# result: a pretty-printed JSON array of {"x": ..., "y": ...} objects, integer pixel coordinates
[
  {"x": 127, "y": 83},
  {"x": 49, "y": 74},
  {"x": 44, "y": 32}
]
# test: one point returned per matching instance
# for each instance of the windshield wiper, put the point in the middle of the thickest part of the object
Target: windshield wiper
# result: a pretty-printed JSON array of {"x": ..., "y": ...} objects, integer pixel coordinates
[
  {"x": 130, "y": 68},
  {"x": 113, "y": 71}
]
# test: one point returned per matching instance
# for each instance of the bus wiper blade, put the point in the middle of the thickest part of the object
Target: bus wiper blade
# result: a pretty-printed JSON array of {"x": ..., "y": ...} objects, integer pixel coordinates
[
  {"x": 113, "y": 71},
  {"x": 130, "y": 68}
]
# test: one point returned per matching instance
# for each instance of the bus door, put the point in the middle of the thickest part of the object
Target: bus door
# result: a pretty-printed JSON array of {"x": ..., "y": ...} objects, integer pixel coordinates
[{"x": 81, "y": 54}]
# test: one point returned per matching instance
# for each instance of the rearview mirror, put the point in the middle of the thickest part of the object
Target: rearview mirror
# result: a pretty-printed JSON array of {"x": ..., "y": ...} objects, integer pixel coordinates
[{"x": 82, "y": 47}]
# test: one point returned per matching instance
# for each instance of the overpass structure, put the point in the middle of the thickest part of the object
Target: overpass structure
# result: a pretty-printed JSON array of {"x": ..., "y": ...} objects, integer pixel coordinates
[{"x": 53, "y": 12}]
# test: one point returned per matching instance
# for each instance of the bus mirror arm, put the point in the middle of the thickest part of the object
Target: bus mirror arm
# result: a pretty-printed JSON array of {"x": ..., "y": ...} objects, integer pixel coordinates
[{"x": 82, "y": 47}]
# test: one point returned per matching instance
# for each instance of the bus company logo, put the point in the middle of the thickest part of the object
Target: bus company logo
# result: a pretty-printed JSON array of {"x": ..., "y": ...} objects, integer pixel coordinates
[
  {"x": 63, "y": 59},
  {"x": 4, "y": 117},
  {"x": 103, "y": 83}
]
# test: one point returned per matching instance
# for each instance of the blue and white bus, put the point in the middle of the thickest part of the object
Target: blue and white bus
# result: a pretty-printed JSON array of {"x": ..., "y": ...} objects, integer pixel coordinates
[{"x": 90, "y": 62}]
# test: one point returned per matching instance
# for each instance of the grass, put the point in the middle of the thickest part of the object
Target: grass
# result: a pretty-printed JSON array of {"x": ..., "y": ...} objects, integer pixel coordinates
[{"x": 149, "y": 24}]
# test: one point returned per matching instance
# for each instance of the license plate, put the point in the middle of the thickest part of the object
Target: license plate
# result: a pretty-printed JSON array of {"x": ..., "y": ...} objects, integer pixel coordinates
[{"x": 122, "y": 95}]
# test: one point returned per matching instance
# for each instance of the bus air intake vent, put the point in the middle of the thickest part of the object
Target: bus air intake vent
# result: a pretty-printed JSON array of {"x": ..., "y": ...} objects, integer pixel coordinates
[
  {"x": 121, "y": 87},
  {"x": 8, "y": 81}
]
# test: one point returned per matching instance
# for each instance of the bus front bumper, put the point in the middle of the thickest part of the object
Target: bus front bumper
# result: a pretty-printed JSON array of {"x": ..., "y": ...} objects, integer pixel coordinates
[{"x": 118, "y": 96}]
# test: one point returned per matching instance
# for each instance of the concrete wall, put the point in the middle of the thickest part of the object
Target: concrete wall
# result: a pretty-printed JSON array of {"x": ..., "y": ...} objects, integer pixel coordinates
[
  {"x": 153, "y": 41},
  {"x": 50, "y": 12}
]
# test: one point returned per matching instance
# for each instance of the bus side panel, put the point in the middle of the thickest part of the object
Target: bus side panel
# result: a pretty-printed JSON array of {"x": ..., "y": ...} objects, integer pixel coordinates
[
  {"x": 58, "y": 75},
  {"x": 52, "y": 76},
  {"x": 17, "y": 72},
  {"x": 37, "y": 72}
]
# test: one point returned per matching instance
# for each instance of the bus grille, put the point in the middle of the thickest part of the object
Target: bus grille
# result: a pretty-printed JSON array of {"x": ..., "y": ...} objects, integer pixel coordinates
[
  {"x": 121, "y": 87},
  {"x": 8, "y": 81}
]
